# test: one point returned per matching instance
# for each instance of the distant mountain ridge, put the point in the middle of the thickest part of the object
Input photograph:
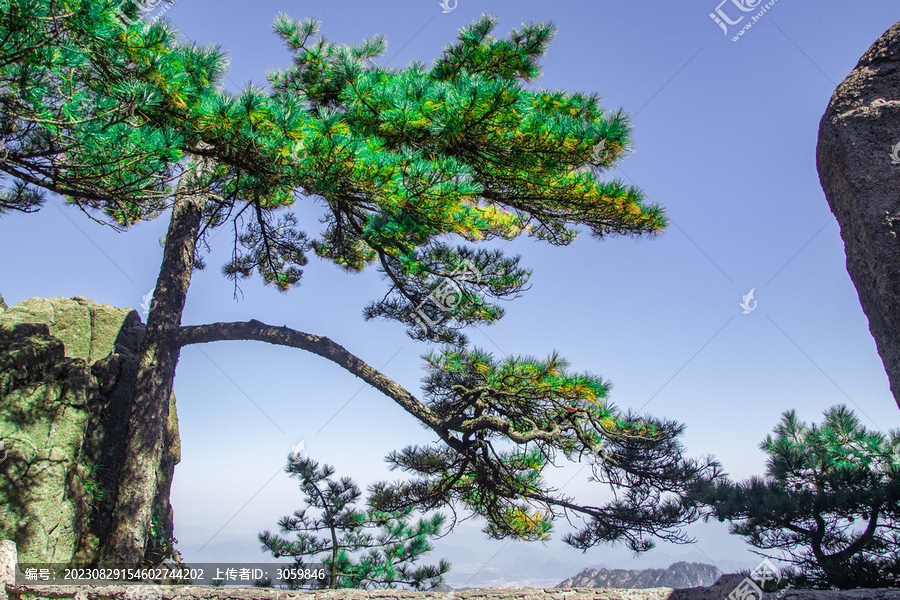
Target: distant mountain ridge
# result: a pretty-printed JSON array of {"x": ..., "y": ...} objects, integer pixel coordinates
[{"x": 677, "y": 575}]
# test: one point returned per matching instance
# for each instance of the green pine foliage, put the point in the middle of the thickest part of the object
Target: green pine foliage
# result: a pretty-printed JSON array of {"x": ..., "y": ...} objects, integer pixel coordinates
[
  {"x": 360, "y": 548},
  {"x": 829, "y": 504},
  {"x": 94, "y": 107},
  {"x": 104, "y": 110},
  {"x": 511, "y": 419},
  {"x": 463, "y": 149},
  {"x": 412, "y": 167}
]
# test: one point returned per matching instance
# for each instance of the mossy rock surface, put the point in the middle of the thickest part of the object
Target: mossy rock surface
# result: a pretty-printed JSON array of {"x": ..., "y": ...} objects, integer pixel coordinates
[
  {"x": 67, "y": 369},
  {"x": 89, "y": 330}
]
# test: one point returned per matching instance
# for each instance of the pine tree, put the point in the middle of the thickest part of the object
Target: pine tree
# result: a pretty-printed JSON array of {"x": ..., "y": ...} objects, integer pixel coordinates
[
  {"x": 95, "y": 109},
  {"x": 392, "y": 553},
  {"x": 403, "y": 161},
  {"x": 829, "y": 503}
]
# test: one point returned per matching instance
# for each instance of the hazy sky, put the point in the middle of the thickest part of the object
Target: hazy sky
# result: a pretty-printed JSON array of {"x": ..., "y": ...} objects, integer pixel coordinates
[{"x": 725, "y": 135}]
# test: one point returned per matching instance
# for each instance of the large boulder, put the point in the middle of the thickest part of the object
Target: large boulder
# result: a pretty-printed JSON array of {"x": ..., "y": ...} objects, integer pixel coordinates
[
  {"x": 67, "y": 369},
  {"x": 858, "y": 159}
]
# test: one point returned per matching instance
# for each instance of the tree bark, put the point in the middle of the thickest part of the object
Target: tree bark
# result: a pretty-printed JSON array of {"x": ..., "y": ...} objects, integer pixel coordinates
[{"x": 137, "y": 487}]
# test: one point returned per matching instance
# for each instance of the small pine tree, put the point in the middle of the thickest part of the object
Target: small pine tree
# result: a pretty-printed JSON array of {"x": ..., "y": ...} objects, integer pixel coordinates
[
  {"x": 830, "y": 502},
  {"x": 392, "y": 553}
]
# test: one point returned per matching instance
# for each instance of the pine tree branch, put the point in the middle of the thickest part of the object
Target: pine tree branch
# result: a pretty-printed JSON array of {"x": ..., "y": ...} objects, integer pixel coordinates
[
  {"x": 254, "y": 330},
  {"x": 620, "y": 521}
]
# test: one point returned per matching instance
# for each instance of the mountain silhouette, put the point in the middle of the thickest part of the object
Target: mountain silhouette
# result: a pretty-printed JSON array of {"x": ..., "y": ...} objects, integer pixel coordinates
[{"x": 677, "y": 575}]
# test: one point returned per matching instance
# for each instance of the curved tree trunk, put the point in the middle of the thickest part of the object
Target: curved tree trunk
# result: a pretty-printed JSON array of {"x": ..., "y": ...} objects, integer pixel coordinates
[
  {"x": 137, "y": 487},
  {"x": 327, "y": 348}
]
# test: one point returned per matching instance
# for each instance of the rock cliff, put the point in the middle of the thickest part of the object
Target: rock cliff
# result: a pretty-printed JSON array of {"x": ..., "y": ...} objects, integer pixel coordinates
[
  {"x": 67, "y": 369},
  {"x": 858, "y": 158}
]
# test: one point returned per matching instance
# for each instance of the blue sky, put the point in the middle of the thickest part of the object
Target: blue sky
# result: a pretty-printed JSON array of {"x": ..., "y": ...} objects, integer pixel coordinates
[{"x": 724, "y": 135}]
